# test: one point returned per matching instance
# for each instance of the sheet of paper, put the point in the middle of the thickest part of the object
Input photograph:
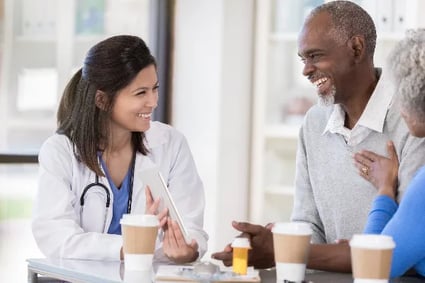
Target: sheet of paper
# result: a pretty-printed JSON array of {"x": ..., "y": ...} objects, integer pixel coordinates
[{"x": 181, "y": 273}]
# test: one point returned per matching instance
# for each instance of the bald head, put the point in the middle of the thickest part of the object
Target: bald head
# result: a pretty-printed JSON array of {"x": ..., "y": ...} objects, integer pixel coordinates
[{"x": 347, "y": 20}]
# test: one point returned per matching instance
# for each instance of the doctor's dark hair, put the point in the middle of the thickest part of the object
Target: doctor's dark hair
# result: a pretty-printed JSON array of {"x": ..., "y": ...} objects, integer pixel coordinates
[{"x": 109, "y": 66}]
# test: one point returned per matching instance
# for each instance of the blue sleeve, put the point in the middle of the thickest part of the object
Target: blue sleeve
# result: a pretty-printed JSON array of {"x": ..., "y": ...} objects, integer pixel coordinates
[
  {"x": 382, "y": 211},
  {"x": 407, "y": 227}
]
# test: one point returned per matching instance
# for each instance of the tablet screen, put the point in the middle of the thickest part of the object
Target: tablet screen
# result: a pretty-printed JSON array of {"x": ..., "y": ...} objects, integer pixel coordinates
[{"x": 153, "y": 178}]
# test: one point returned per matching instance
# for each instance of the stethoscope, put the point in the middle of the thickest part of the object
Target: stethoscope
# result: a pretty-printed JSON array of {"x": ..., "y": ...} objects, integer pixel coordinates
[{"x": 107, "y": 192}]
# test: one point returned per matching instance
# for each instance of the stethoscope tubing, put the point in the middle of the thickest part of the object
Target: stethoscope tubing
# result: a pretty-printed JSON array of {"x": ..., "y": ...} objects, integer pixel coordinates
[
  {"x": 96, "y": 183},
  {"x": 107, "y": 191}
]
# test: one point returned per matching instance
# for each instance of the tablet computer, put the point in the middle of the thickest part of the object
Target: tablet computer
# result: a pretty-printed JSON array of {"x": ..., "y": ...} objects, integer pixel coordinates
[{"x": 153, "y": 178}]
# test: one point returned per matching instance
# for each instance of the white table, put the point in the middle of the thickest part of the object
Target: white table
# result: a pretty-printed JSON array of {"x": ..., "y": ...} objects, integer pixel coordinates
[
  {"x": 87, "y": 271},
  {"x": 75, "y": 270}
]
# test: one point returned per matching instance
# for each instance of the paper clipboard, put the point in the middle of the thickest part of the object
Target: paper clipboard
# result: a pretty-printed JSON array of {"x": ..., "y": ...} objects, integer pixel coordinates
[{"x": 153, "y": 178}]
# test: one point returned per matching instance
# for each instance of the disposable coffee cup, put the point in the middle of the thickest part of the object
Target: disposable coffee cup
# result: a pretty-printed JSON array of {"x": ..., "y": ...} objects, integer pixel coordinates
[
  {"x": 138, "y": 276},
  {"x": 371, "y": 257},
  {"x": 291, "y": 242},
  {"x": 139, "y": 232}
]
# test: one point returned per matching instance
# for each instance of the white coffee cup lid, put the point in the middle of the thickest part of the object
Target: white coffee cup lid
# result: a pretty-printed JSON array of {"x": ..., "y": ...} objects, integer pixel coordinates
[
  {"x": 292, "y": 228},
  {"x": 139, "y": 220},
  {"x": 241, "y": 242},
  {"x": 370, "y": 241}
]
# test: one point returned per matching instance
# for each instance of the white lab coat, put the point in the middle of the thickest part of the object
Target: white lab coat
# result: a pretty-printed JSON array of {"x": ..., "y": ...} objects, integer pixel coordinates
[{"x": 63, "y": 229}]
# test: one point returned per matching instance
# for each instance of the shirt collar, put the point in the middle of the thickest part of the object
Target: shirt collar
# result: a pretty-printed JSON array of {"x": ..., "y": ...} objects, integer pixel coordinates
[
  {"x": 373, "y": 116},
  {"x": 336, "y": 120}
]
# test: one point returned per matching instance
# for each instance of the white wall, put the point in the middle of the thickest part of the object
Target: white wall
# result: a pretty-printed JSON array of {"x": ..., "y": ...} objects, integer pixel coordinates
[{"x": 211, "y": 104}]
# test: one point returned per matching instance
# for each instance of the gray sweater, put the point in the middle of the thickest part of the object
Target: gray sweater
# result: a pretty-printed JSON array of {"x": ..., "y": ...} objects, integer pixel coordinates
[{"x": 330, "y": 194}]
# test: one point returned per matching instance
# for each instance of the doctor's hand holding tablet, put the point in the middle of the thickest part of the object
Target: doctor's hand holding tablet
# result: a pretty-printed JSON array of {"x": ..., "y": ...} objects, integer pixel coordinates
[{"x": 177, "y": 243}]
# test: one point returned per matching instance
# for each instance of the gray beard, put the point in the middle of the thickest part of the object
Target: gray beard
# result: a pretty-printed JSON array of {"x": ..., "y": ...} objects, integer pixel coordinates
[{"x": 328, "y": 99}]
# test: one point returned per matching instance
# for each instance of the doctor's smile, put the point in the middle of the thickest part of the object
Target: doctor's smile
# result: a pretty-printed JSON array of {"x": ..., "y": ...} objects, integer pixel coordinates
[{"x": 144, "y": 115}]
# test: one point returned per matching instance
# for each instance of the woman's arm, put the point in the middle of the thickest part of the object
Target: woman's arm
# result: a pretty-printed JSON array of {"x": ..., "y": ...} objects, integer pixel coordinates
[
  {"x": 330, "y": 257},
  {"x": 55, "y": 221}
]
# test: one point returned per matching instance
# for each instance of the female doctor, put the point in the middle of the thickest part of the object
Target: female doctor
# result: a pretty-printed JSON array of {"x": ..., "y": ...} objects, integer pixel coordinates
[{"x": 90, "y": 168}]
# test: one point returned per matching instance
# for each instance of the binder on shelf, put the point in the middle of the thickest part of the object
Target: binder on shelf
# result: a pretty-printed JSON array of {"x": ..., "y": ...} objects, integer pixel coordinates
[
  {"x": 399, "y": 16},
  {"x": 289, "y": 15},
  {"x": 131, "y": 19},
  {"x": 286, "y": 16},
  {"x": 38, "y": 18},
  {"x": 381, "y": 12},
  {"x": 384, "y": 21},
  {"x": 90, "y": 17}
]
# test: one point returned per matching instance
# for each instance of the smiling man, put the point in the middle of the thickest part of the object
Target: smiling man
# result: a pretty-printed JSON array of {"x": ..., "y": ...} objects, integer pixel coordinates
[{"x": 355, "y": 112}]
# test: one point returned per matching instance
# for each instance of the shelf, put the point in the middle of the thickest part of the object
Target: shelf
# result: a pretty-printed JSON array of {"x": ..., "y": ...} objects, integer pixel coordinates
[
  {"x": 42, "y": 123},
  {"x": 283, "y": 37},
  {"x": 280, "y": 190},
  {"x": 53, "y": 38},
  {"x": 282, "y": 131},
  {"x": 90, "y": 38},
  {"x": 389, "y": 36},
  {"x": 292, "y": 37},
  {"x": 36, "y": 38}
]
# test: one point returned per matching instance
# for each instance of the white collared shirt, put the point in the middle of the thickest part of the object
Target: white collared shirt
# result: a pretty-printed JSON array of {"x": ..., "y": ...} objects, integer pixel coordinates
[{"x": 372, "y": 118}]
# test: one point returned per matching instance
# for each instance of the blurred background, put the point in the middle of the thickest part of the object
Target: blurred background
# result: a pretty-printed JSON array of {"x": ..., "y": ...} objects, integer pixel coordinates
[{"x": 230, "y": 82}]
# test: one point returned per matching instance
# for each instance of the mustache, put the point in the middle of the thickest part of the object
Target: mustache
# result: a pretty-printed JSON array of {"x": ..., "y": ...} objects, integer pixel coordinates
[{"x": 316, "y": 76}]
